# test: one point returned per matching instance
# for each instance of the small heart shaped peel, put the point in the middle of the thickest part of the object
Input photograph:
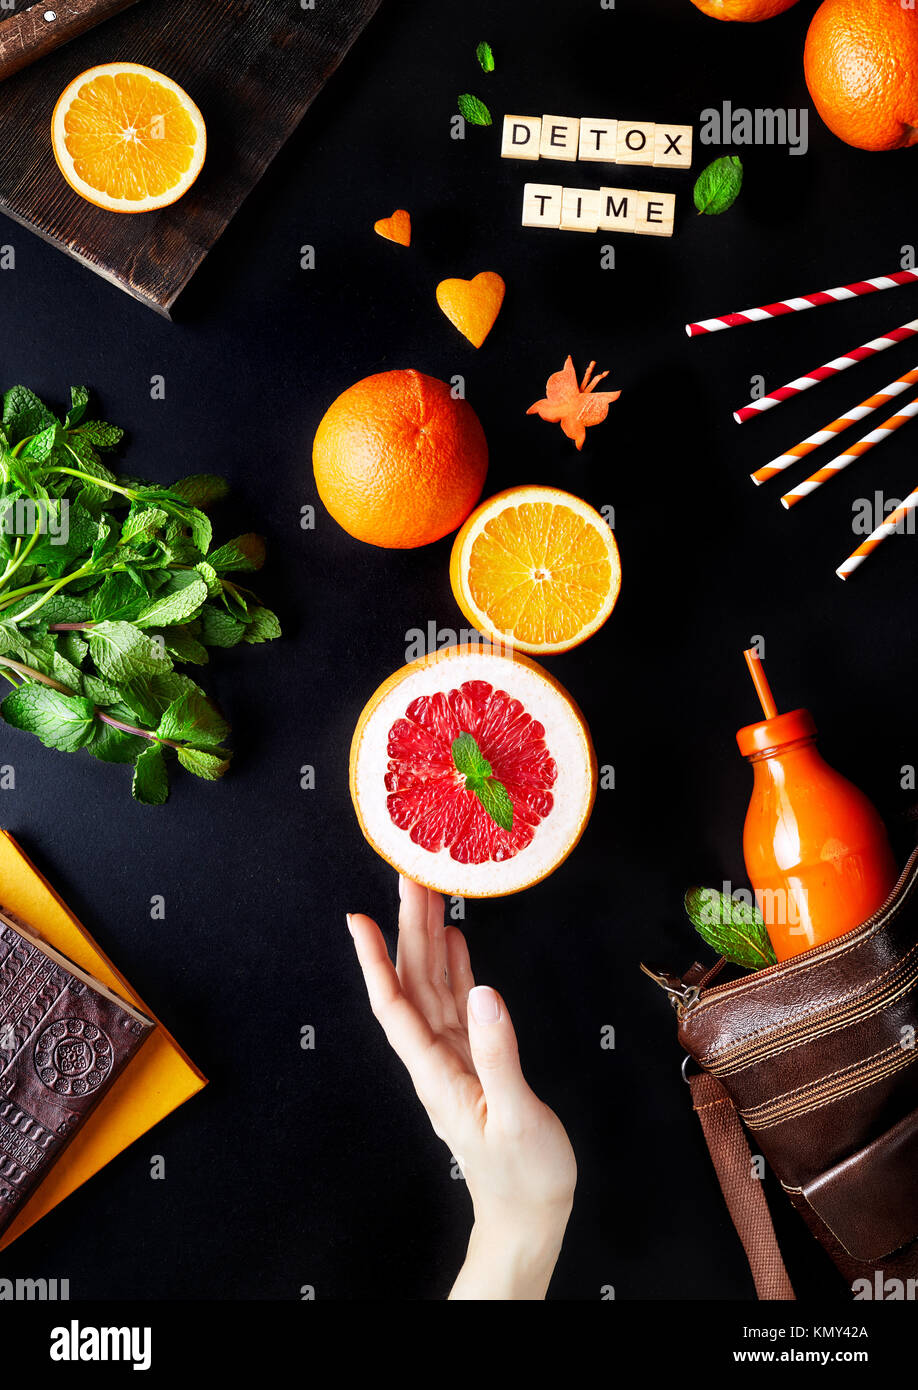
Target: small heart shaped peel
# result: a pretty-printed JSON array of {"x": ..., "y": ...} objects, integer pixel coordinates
[
  {"x": 395, "y": 228},
  {"x": 472, "y": 305}
]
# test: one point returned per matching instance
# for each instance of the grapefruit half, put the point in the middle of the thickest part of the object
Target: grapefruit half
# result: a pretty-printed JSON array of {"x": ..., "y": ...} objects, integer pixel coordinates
[{"x": 415, "y": 799}]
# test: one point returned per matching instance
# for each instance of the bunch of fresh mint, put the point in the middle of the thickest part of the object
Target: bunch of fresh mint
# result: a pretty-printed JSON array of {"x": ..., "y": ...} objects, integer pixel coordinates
[{"x": 105, "y": 584}]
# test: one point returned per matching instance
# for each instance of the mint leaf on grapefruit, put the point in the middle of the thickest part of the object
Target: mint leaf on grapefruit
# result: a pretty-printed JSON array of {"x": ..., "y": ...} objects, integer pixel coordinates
[
  {"x": 495, "y": 798},
  {"x": 480, "y": 779},
  {"x": 469, "y": 759}
]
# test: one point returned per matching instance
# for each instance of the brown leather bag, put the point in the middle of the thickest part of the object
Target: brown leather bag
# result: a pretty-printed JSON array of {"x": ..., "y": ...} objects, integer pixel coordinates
[{"x": 817, "y": 1060}]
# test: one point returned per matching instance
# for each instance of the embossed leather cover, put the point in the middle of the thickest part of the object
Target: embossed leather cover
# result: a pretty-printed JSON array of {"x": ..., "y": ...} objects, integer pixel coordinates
[{"x": 63, "y": 1039}]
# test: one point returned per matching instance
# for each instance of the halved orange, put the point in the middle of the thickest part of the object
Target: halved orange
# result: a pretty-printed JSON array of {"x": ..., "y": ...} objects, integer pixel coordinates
[
  {"x": 127, "y": 138},
  {"x": 536, "y": 567}
]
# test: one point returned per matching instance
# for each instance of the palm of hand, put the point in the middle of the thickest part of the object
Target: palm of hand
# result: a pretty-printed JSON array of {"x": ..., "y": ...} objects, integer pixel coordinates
[{"x": 512, "y": 1149}]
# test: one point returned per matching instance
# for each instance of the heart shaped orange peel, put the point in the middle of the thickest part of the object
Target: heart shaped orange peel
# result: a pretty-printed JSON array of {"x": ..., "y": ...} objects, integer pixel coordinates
[
  {"x": 395, "y": 228},
  {"x": 472, "y": 305}
]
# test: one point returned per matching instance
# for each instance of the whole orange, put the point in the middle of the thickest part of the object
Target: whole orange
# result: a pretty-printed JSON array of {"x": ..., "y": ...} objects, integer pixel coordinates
[
  {"x": 861, "y": 65},
  {"x": 399, "y": 461},
  {"x": 749, "y": 11}
]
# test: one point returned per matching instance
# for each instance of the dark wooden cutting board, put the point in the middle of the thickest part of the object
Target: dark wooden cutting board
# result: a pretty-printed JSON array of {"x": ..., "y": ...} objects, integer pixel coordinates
[{"x": 253, "y": 67}]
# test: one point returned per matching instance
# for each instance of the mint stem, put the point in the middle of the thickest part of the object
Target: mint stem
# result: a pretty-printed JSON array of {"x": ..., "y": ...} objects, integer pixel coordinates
[
  {"x": 135, "y": 729},
  {"x": 29, "y": 673},
  {"x": 18, "y": 556},
  {"x": 55, "y": 587}
]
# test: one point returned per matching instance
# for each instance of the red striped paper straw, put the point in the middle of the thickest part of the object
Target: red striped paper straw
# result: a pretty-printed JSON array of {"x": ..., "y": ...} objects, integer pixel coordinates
[
  {"x": 813, "y": 378},
  {"x": 863, "y": 446},
  {"x": 806, "y": 301},
  {"x": 885, "y": 528},
  {"x": 851, "y": 417}
]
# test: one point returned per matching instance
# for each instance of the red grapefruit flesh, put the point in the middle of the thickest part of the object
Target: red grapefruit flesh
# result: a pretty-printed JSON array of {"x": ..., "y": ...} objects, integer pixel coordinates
[{"x": 429, "y": 798}]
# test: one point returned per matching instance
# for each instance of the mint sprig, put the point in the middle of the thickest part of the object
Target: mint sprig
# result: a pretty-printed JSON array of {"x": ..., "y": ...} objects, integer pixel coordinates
[
  {"x": 473, "y": 110},
  {"x": 106, "y": 583},
  {"x": 485, "y": 55},
  {"x": 151, "y": 778},
  {"x": 717, "y": 187},
  {"x": 735, "y": 929},
  {"x": 61, "y": 721},
  {"x": 479, "y": 778}
]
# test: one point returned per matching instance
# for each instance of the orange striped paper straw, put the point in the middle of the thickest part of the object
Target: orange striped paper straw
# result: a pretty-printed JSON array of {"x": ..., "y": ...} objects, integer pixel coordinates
[
  {"x": 863, "y": 446},
  {"x": 851, "y": 417},
  {"x": 886, "y": 528}
]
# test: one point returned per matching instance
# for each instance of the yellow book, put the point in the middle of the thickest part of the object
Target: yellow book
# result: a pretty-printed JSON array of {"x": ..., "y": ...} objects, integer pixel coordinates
[{"x": 155, "y": 1082}]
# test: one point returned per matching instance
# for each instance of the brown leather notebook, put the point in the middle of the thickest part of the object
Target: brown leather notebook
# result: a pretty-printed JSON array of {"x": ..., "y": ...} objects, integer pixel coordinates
[{"x": 64, "y": 1037}]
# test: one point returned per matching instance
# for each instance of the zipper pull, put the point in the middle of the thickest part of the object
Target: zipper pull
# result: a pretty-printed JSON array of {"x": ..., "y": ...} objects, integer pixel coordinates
[{"x": 681, "y": 995}]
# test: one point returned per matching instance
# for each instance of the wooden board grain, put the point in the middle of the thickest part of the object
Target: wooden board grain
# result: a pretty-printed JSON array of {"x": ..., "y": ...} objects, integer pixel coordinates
[{"x": 253, "y": 67}]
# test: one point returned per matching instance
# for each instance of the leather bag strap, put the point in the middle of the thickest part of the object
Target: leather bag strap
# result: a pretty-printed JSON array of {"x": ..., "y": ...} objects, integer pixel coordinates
[{"x": 745, "y": 1198}]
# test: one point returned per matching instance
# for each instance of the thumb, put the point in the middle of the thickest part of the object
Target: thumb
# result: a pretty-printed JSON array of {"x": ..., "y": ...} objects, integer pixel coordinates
[{"x": 495, "y": 1052}]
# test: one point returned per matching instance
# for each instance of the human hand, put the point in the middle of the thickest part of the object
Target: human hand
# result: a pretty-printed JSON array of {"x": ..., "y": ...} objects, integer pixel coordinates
[{"x": 460, "y": 1049}]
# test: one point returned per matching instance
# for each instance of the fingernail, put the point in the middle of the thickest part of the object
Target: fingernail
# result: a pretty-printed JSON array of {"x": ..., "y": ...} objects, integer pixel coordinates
[
  {"x": 485, "y": 1004},
  {"x": 347, "y": 918}
]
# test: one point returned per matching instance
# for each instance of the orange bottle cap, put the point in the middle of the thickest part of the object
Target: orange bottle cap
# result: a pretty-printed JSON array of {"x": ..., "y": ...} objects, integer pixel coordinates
[{"x": 775, "y": 733}]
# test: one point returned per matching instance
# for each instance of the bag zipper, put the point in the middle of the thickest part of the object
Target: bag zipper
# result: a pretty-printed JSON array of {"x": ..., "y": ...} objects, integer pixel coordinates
[
  {"x": 732, "y": 1059},
  {"x": 682, "y": 996},
  {"x": 828, "y": 1089}
]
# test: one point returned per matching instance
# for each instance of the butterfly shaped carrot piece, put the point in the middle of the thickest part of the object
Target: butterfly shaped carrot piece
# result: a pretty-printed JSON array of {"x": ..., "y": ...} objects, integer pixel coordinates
[{"x": 574, "y": 406}]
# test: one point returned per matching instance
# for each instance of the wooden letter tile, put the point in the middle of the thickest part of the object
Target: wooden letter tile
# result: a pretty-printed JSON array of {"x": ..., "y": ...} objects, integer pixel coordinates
[
  {"x": 656, "y": 214},
  {"x": 580, "y": 210},
  {"x": 617, "y": 209},
  {"x": 672, "y": 147},
  {"x": 597, "y": 140},
  {"x": 521, "y": 137},
  {"x": 542, "y": 204},
  {"x": 560, "y": 137},
  {"x": 635, "y": 142}
]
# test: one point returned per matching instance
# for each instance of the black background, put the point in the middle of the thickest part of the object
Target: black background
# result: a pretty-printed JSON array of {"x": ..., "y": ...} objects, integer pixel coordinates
[{"x": 318, "y": 1167}]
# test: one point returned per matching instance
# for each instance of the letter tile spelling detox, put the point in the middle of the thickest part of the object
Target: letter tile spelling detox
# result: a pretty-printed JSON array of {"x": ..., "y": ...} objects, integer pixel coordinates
[{"x": 597, "y": 139}]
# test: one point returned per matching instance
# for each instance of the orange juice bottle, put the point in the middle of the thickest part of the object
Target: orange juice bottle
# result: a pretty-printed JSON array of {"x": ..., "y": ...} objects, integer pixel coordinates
[{"x": 816, "y": 850}]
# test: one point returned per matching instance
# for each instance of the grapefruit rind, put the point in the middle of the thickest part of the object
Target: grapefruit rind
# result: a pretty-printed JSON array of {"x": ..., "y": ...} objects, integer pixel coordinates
[
  {"x": 566, "y": 736},
  {"x": 472, "y": 529}
]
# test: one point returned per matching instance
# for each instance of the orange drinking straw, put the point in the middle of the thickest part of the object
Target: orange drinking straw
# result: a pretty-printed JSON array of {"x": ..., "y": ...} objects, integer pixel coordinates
[{"x": 760, "y": 681}]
